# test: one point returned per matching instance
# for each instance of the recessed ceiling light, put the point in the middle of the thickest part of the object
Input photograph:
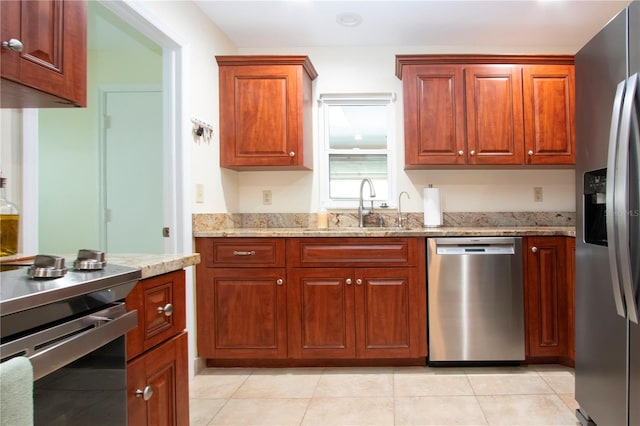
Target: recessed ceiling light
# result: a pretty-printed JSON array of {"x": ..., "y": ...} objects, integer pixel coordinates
[{"x": 348, "y": 19}]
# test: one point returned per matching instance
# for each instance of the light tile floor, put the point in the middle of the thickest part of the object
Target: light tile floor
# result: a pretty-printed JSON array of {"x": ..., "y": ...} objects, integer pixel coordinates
[{"x": 530, "y": 395}]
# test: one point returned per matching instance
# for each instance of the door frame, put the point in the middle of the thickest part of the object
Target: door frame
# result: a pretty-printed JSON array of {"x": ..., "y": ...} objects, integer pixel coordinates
[
  {"x": 176, "y": 127},
  {"x": 176, "y": 153},
  {"x": 176, "y": 133}
]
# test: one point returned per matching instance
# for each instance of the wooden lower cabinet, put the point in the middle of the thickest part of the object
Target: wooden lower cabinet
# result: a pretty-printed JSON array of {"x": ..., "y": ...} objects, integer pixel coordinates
[
  {"x": 548, "y": 297},
  {"x": 242, "y": 313},
  {"x": 311, "y": 301},
  {"x": 355, "y": 313},
  {"x": 160, "y": 302},
  {"x": 157, "y": 366},
  {"x": 158, "y": 385}
]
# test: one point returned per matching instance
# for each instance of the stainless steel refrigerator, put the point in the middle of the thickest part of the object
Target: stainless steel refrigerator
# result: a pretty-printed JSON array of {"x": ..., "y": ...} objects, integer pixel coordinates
[{"x": 607, "y": 367}]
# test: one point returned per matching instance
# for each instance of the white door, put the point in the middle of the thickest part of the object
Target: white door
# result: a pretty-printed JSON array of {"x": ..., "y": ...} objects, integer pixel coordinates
[{"x": 133, "y": 167}]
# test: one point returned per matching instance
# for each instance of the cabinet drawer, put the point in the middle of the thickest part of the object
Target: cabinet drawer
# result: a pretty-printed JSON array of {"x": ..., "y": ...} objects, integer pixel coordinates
[
  {"x": 160, "y": 302},
  {"x": 352, "y": 251},
  {"x": 246, "y": 252}
]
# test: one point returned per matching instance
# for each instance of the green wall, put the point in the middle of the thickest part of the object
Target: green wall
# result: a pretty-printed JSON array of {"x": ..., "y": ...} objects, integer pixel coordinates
[{"x": 68, "y": 211}]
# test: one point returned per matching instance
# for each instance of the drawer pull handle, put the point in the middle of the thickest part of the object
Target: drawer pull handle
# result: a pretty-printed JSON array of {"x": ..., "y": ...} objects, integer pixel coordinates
[
  {"x": 244, "y": 253},
  {"x": 279, "y": 281},
  {"x": 167, "y": 309},
  {"x": 145, "y": 393}
]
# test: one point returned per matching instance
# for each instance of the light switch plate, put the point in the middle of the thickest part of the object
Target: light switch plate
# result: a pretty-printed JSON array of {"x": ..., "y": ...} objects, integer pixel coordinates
[{"x": 199, "y": 193}]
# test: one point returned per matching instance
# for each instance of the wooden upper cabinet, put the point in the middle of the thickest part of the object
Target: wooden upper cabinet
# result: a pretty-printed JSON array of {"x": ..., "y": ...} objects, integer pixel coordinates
[
  {"x": 487, "y": 109},
  {"x": 51, "y": 68},
  {"x": 434, "y": 115},
  {"x": 494, "y": 114},
  {"x": 265, "y": 112},
  {"x": 549, "y": 111}
]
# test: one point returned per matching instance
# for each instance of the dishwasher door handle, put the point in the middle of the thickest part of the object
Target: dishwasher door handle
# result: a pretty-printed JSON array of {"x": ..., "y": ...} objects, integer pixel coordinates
[{"x": 491, "y": 250}]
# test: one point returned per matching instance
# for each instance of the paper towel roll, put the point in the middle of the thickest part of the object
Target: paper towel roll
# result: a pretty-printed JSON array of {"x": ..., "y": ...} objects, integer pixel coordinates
[{"x": 432, "y": 208}]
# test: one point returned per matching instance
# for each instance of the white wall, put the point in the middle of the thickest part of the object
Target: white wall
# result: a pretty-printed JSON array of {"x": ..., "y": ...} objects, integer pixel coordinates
[
  {"x": 372, "y": 69},
  {"x": 204, "y": 41}
]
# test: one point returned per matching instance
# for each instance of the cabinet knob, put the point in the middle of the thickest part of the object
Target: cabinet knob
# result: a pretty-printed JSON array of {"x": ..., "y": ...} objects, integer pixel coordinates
[
  {"x": 145, "y": 393},
  {"x": 348, "y": 281},
  {"x": 13, "y": 44},
  {"x": 292, "y": 154},
  {"x": 472, "y": 153},
  {"x": 279, "y": 281},
  {"x": 461, "y": 153},
  {"x": 359, "y": 281},
  {"x": 534, "y": 249},
  {"x": 167, "y": 310},
  {"x": 530, "y": 153}
]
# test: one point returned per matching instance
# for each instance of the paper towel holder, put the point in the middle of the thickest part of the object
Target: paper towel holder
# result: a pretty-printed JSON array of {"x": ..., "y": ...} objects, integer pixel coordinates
[{"x": 432, "y": 207}]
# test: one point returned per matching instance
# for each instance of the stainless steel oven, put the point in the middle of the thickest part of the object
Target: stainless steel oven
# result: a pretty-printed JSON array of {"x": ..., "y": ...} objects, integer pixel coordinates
[{"x": 72, "y": 329}]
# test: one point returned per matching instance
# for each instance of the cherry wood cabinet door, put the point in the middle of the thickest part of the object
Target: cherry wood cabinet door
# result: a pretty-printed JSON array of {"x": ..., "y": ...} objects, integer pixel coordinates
[
  {"x": 388, "y": 321},
  {"x": 160, "y": 302},
  {"x": 158, "y": 385},
  {"x": 265, "y": 112},
  {"x": 546, "y": 295},
  {"x": 434, "y": 121},
  {"x": 321, "y": 313},
  {"x": 495, "y": 129},
  {"x": 241, "y": 313},
  {"x": 53, "y": 60},
  {"x": 549, "y": 111}
]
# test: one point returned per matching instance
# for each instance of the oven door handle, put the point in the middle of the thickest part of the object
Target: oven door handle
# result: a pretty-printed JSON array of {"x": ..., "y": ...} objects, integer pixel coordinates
[{"x": 52, "y": 349}]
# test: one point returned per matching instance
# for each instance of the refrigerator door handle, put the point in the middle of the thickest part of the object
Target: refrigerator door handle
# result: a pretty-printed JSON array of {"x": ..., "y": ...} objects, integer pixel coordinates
[
  {"x": 628, "y": 135},
  {"x": 612, "y": 245}
]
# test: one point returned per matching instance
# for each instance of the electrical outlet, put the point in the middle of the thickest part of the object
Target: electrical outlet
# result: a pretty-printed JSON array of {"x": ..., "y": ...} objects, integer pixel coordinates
[
  {"x": 537, "y": 194},
  {"x": 199, "y": 193},
  {"x": 266, "y": 197}
]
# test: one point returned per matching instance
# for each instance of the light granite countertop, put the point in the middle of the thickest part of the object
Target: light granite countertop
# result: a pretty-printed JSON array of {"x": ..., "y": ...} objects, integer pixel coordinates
[
  {"x": 455, "y": 231},
  {"x": 155, "y": 264},
  {"x": 150, "y": 264}
]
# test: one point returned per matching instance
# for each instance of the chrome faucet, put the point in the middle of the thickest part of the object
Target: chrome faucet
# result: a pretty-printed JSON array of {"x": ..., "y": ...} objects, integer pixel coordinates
[
  {"x": 401, "y": 218},
  {"x": 362, "y": 212}
]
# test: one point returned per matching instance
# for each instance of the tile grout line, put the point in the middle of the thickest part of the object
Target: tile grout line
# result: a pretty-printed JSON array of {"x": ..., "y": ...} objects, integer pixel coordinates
[
  {"x": 313, "y": 395},
  {"x": 475, "y": 396}
]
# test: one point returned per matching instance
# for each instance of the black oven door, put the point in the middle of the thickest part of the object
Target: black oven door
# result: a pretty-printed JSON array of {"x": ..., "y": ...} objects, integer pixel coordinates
[{"x": 79, "y": 368}]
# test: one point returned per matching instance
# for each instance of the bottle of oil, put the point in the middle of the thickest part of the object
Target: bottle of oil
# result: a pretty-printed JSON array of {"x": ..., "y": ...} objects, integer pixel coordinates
[{"x": 9, "y": 223}]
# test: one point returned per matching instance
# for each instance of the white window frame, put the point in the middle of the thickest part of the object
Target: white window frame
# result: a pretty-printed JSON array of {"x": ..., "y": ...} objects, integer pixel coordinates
[{"x": 326, "y": 100}]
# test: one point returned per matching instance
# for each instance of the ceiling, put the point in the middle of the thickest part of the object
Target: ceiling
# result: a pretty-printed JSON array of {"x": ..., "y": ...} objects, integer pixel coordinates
[{"x": 543, "y": 26}]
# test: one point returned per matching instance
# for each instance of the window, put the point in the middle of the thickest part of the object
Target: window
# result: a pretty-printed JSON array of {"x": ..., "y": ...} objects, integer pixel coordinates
[{"x": 357, "y": 137}]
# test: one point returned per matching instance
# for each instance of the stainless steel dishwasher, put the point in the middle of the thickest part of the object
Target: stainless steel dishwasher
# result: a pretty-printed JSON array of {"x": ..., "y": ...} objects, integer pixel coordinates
[{"x": 476, "y": 308}]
